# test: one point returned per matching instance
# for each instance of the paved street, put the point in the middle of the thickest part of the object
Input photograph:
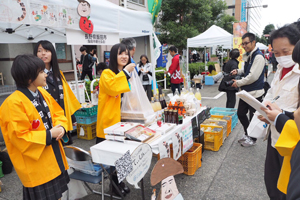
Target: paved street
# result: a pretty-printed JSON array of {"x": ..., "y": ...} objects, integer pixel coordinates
[{"x": 234, "y": 172}]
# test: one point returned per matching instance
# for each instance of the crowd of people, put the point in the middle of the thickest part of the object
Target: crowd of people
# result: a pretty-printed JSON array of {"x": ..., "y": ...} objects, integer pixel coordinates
[{"x": 37, "y": 118}]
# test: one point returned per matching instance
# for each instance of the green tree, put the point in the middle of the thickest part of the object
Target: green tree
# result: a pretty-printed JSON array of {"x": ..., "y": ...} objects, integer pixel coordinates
[
  {"x": 226, "y": 21},
  {"x": 182, "y": 19},
  {"x": 269, "y": 28}
]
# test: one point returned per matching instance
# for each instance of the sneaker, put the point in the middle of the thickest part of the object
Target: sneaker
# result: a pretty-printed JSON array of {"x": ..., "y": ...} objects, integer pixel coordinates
[
  {"x": 248, "y": 143},
  {"x": 243, "y": 139}
]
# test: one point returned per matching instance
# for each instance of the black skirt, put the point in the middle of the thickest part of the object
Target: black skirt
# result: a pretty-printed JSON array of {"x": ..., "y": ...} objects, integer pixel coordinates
[{"x": 51, "y": 190}]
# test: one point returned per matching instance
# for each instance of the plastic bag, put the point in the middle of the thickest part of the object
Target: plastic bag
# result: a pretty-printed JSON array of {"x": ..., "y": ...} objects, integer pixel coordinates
[
  {"x": 257, "y": 128},
  {"x": 135, "y": 103}
]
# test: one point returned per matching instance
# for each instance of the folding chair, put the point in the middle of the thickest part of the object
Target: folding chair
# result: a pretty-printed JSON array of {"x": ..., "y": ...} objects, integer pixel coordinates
[{"x": 81, "y": 160}]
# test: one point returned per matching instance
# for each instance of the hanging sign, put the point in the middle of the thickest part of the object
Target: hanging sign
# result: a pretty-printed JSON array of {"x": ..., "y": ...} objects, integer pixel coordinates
[
  {"x": 75, "y": 37},
  {"x": 187, "y": 136}
]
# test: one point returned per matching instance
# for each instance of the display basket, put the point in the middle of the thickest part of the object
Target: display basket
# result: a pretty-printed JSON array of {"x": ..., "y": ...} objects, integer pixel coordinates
[
  {"x": 213, "y": 139},
  {"x": 233, "y": 115},
  {"x": 86, "y": 131},
  {"x": 191, "y": 160},
  {"x": 226, "y": 118},
  {"x": 86, "y": 112},
  {"x": 222, "y": 123},
  {"x": 86, "y": 119}
]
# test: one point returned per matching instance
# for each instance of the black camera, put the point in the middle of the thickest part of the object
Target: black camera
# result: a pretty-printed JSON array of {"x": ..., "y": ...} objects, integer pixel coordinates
[{"x": 229, "y": 83}]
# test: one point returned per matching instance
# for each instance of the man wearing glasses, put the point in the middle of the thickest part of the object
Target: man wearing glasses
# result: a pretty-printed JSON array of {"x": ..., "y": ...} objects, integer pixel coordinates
[{"x": 253, "y": 83}]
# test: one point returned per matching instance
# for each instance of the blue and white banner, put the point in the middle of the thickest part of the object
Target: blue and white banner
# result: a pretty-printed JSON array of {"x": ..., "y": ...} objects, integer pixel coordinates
[{"x": 243, "y": 11}]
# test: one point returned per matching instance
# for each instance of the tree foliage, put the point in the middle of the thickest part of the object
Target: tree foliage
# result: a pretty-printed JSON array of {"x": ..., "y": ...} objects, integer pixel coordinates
[
  {"x": 182, "y": 19},
  {"x": 269, "y": 28}
]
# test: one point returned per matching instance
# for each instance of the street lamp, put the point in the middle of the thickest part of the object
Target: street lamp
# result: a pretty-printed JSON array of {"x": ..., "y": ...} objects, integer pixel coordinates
[{"x": 248, "y": 7}]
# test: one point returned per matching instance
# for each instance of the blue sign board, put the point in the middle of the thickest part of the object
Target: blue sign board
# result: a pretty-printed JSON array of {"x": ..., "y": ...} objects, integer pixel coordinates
[
  {"x": 243, "y": 11},
  {"x": 162, "y": 60}
]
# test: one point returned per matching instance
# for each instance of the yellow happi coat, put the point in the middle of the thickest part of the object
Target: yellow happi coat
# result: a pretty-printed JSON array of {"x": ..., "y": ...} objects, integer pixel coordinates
[
  {"x": 34, "y": 162},
  {"x": 111, "y": 86},
  {"x": 70, "y": 102},
  {"x": 285, "y": 145}
]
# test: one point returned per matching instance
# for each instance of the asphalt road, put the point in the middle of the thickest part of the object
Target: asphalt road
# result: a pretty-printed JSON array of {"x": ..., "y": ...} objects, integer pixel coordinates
[{"x": 234, "y": 172}]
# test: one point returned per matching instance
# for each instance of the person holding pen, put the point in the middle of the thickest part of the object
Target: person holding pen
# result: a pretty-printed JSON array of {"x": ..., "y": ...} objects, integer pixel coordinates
[{"x": 285, "y": 84}]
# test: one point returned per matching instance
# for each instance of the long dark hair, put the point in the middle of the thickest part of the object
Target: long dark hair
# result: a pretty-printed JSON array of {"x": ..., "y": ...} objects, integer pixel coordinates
[
  {"x": 296, "y": 58},
  {"x": 54, "y": 63},
  {"x": 140, "y": 63},
  {"x": 116, "y": 50}
]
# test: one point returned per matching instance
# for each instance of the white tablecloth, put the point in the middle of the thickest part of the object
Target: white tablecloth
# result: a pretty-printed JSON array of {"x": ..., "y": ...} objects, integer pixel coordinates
[
  {"x": 154, "y": 144},
  {"x": 107, "y": 152}
]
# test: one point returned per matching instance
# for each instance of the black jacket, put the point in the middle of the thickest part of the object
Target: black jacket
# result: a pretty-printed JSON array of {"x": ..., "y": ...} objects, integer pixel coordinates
[{"x": 231, "y": 65}]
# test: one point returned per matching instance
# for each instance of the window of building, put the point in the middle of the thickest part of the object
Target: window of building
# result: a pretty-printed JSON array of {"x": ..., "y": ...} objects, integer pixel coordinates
[{"x": 142, "y": 2}]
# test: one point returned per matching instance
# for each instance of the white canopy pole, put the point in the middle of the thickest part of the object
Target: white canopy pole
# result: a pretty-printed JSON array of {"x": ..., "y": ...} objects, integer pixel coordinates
[
  {"x": 153, "y": 62},
  {"x": 187, "y": 58},
  {"x": 75, "y": 71}
]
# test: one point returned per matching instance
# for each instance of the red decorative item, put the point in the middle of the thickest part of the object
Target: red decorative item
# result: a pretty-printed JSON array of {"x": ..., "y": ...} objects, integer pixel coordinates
[
  {"x": 86, "y": 25},
  {"x": 36, "y": 124},
  {"x": 159, "y": 123}
]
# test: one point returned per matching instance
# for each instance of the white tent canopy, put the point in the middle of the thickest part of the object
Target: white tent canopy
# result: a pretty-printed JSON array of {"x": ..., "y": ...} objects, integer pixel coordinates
[
  {"x": 261, "y": 46},
  {"x": 106, "y": 17},
  {"x": 62, "y": 15},
  {"x": 214, "y": 36}
]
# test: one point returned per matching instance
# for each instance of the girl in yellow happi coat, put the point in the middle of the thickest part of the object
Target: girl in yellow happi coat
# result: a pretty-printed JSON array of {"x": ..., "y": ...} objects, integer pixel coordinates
[
  {"x": 32, "y": 124},
  {"x": 113, "y": 82},
  {"x": 57, "y": 85}
]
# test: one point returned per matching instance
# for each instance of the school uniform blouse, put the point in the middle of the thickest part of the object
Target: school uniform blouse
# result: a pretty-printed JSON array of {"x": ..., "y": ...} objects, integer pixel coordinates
[{"x": 63, "y": 95}]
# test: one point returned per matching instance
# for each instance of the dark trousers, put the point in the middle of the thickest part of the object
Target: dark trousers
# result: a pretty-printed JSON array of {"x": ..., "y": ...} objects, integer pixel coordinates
[
  {"x": 89, "y": 73},
  {"x": 231, "y": 99},
  {"x": 148, "y": 91},
  {"x": 293, "y": 191},
  {"x": 174, "y": 86},
  {"x": 273, "y": 165},
  {"x": 243, "y": 109}
]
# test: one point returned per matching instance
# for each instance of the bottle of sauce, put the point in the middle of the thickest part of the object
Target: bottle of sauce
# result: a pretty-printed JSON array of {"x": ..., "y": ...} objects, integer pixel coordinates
[
  {"x": 170, "y": 116},
  {"x": 180, "y": 106},
  {"x": 166, "y": 113},
  {"x": 170, "y": 106},
  {"x": 175, "y": 105},
  {"x": 175, "y": 117},
  {"x": 180, "y": 118},
  {"x": 183, "y": 113}
]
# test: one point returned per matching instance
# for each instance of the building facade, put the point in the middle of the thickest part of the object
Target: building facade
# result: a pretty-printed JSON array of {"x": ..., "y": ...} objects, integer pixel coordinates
[{"x": 249, "y": 11}]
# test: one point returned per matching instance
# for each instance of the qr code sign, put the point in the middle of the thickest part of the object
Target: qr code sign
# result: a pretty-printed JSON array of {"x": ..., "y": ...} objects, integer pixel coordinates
[{"x": 124, "y": 166}]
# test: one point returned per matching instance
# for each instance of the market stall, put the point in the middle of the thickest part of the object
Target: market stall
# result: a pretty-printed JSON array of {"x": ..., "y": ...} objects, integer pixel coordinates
[{"x": 212, "y": 37}]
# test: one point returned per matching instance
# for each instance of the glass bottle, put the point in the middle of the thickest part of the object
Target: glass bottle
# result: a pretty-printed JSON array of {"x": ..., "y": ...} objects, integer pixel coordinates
[
  {"x": 157, "y": 103},
  {"x": 164, "y": 100},
  {"x": 191, "y": 91},
  {"x": 166, "y": 114},
  {"x": 161, "y": 101}
]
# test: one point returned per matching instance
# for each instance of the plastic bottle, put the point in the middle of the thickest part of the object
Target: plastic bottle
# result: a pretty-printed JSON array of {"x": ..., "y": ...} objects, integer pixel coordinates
[
  {"x": 153, "y": 104},
  {"x": 191, "y": 91},
  {"x": 175, "y": 107},
  {"x": 180, "y": 106},
  {"x": 176, "y": 92},
  {"x": 180, "y": 118},
  {"x": 161, "y": 101},
  {"x": 183, "y": 113},
  {"x": 198, "y": 94},
  {"x": 170, "y": 106}
]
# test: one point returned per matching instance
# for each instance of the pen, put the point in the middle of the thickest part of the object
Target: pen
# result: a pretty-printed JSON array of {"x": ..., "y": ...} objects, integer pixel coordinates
[{"x": 273, "y": 101}]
